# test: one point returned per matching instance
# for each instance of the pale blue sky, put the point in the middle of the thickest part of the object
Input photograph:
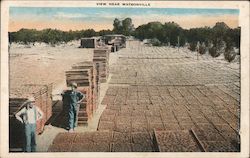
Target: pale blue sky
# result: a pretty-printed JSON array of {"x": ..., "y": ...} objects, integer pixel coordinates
[{"x": 98, "y": 16}]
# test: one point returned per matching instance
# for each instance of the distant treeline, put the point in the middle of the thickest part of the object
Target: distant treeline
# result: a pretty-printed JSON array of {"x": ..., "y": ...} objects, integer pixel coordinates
[
  {"x": 216, "y": 40},
  {"x": 52, "y": 36},
  {"x": 169, "y": 33}
]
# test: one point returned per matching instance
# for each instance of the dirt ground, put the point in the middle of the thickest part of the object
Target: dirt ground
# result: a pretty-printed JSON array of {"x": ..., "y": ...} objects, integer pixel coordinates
[
  {"x": 149, "y": 88},
  {"x": 43, "y": 64},
  {"x": 163, "y": 92}
]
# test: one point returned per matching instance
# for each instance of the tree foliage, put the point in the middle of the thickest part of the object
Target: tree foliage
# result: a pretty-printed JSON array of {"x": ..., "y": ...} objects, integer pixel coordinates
[
  {"x": 52, "y": 36},
  {"x": 124, "y": 27},
  {"x": 166, "y": 33},
  {"x": 169, "y": 33}
]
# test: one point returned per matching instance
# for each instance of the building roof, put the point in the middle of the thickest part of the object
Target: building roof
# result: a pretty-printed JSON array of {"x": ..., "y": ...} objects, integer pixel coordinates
[
  {"x": 115, "y": 35},
  {"x": 91, "y": 37}
]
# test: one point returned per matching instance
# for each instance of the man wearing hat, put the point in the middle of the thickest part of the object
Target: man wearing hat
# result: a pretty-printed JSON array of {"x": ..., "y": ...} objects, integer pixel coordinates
[
  {"x": 28, "y": 117},
  {"x": 72, "y": 98}
]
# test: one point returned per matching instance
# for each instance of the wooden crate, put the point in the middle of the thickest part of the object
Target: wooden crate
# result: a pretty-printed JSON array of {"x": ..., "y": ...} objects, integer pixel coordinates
[{"x": 43, "y": 100}]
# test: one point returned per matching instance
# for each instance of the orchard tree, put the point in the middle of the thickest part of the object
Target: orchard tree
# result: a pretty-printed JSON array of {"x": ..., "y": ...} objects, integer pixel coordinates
[
  {"x": 117, "y": 26},
  {"x": 124, "y": 27}
]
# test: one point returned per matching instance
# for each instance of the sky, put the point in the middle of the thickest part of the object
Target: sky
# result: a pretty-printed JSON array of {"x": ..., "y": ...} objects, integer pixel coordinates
[{"x": 78, "y": 18}]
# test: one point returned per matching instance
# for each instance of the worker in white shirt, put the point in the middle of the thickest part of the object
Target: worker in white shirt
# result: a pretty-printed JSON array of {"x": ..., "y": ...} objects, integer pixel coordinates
[{"x": 28, "y": 116}]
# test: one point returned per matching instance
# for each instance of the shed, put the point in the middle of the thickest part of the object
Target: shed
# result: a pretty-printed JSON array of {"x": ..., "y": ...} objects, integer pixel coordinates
[{"x": 90, "y": 42}]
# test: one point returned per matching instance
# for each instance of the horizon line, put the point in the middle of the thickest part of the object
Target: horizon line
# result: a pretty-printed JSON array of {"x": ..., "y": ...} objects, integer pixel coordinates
[{"x": 37, "y": 29}]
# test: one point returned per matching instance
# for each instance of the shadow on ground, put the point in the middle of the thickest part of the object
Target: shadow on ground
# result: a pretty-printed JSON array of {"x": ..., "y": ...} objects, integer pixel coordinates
[{"x": 59, "y": 117}]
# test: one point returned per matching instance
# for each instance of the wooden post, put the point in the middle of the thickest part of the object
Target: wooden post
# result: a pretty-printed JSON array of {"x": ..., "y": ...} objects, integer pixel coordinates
[
  {"x": 198, "y": 45},
  {"x": 178, "y": 38}
]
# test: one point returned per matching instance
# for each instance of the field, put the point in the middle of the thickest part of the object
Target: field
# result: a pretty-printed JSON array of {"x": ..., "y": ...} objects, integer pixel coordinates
[
  {"x": 164, "y": 93},
  {"x": 42, "y": 64},
  {"x": 158, "y": 98}
]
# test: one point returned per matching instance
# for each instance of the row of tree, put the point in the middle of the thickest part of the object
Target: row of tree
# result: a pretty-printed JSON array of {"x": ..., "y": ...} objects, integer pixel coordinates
[
  {"x": 171, "y": 33},
  {"x": 52, "y": 36},
  {"x": 168, "y": 33},
  {"x": 216, "y": 40}
]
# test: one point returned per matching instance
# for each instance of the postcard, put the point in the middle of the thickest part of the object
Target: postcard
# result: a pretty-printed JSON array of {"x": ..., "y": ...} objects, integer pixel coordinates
[{"x": 125, "y": 79}]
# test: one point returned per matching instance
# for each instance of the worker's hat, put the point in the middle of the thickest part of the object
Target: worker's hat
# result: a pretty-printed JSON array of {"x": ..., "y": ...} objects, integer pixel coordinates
[
  {"x": 74, "y": 84},
  {"x": 31, "y": 99}
]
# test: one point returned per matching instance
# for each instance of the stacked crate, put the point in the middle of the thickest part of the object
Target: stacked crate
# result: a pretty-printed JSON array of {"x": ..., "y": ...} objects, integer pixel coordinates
[
  {"x": 96, "y": 87},
  {"x": 43, "y": 100},
  {"x": 101, "y": 67},
  {"x": 88, "y": 76},
  {"x": 81, "y": 73},
  {"x": 101, "y": 60},
  {"x": 94, "y": 84}
]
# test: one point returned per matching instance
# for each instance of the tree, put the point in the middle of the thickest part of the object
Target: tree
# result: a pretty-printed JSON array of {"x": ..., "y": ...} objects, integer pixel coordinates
[
  {"x": 89, "y": 33},
  {"x": 140, "y": 32},
  {"x": 25, "y": 36},
  {"x": 124, "y": 27},
  {"x": 117, "y": 26},
  {"x": 219, "y": 32},
  {"x": 127, "y": 26},
  {"x": 105, "y": 32}
]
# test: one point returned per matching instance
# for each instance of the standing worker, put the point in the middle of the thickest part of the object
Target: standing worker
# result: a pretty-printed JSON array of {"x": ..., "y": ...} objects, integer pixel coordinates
[
  {"x": 28, "y": 117},
  {"x": 73, "y": 98}
]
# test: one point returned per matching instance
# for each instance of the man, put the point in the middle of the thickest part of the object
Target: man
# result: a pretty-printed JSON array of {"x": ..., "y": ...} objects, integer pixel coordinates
[
  {"x": 28, "y": 117},
  {"x": 71, "y": 99}
]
